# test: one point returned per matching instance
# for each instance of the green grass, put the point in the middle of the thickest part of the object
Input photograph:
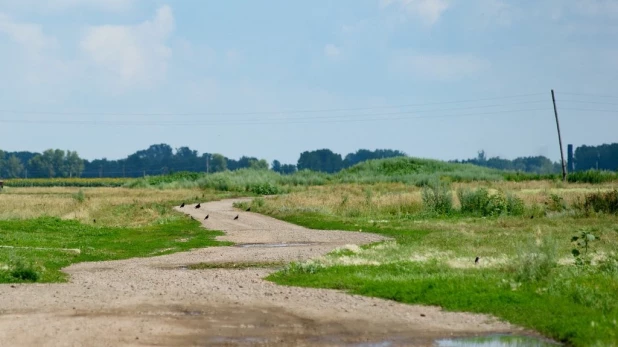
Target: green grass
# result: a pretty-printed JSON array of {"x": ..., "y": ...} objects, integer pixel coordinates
[
  {"x": 431, "y": 262},
  {"x": 95, "y": 243},
  {"x": 557, "y": 307}
]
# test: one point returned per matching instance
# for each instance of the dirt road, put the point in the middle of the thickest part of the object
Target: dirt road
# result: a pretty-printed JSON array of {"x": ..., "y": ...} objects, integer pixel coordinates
[{"x": 157, "y": 302}]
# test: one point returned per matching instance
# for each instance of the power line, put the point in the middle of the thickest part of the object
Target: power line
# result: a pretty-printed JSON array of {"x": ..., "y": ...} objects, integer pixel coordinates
[
  {"x": 590, "y": 102},
  {"x": 234, "y": 121},
  {"x": 258, "y": 122},
  {"x": 588, "y": 110},
  {"x": 267, "y": 112},
  {"x": 590, "y": 95}
]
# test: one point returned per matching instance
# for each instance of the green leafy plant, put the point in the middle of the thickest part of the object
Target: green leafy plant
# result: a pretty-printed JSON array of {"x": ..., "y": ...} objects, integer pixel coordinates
[{"x": 582, "y": 243}]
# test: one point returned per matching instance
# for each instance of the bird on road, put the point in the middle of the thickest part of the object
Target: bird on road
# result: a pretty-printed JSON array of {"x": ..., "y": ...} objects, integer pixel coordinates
[
  {"x": 235, "y": 218},
  {"x": 182, "y": 205},
  {"x": 198, "y": 205},
  {"x": 476, "y": 261},
  {"x": 205, "y": 218}
]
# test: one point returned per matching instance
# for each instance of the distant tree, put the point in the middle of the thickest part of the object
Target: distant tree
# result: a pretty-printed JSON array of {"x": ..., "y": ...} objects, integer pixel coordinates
[
  {"x": 218, "y": 163},
  {"x": 287, "y": 169},
  {"x": 276, "y": 166},
  {"x": 2, "y": 162},
  {"x": 14, "y": 167},
  {"x": 48, "y": 164},
  {"x": 365, "y": 154},
  {"x": 74, "y": 165},
  {"x": 320, "y": 160},
  {"x": 261, "y": 164}
]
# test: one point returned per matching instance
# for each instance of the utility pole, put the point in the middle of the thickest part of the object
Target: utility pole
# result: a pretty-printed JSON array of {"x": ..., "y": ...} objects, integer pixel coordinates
[
  {"x": 208, "y": 163},
  {"x": 564, "y": 172}
]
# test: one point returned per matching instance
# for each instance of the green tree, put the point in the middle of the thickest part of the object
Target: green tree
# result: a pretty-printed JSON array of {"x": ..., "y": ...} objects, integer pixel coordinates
[
  {"x": 320, "y": 160},
  {"x": 73, "y": 164},
  {"x": 218, "y": 163},
  {"x": 261, "y": 164},
  {"x": 14, "y": 167},
  {"x": 2, "y": 162},
  {"x": 43, "y": 164},
  {"x": 276, "y": 165}
]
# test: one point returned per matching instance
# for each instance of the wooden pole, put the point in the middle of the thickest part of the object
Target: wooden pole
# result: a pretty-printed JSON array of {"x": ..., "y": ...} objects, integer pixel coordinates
[{"x": 564, "y": 171}]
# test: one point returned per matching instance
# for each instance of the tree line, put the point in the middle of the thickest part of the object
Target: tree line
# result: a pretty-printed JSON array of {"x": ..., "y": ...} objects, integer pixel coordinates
[{"x": 163, "y": 159}]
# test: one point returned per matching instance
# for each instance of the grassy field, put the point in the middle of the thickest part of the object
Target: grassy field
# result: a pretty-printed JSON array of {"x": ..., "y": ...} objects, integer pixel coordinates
[
  {"x": 45, "y": 229},
  {"x": 526, "y": 272}
]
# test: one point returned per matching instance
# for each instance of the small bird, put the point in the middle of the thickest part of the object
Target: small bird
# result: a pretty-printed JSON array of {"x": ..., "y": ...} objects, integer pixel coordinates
[
  {"x": 235, "y": 218},
  {"x": 182, "y": 205},
  {"x": 532, "y": 217},
  {"x": 476, "y": 261},
  {"x": 94, "y": 220},
  {"x": 248, "y": 209},
  {"x": 198, "y": 205},
  {"x": 205, "y": 218}
]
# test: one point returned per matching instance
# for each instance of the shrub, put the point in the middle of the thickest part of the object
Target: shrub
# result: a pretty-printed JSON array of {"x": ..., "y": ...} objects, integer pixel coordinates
[
  {"x": 555, "y": 203},
  {"x": 79, "y": 196},
  {"x": 480, "y": 202},
  {"x": 438, "y": 198},
  {"x": 535, "y": 260},
  {"x": 606, "y": 202},
  {"x": 23, "y": 271}
]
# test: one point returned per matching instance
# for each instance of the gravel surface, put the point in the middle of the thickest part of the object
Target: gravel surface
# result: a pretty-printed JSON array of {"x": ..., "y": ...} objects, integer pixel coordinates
[{"x": 158, "y": 302}]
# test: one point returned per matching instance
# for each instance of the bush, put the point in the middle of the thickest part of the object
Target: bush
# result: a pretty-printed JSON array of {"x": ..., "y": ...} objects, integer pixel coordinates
[
  {"x": 79, "y": 196},
  {"x": 438, "y": 198},
  {"x": 606, "y": 202},
  {"x": 22, "y": 271},
  {"x": 536, "y": 260},
  {"x": 480, "y": 202}
]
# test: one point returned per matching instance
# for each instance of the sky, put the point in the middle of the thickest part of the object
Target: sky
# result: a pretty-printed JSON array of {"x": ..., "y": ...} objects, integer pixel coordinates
[{"x": 433, "y": 78}]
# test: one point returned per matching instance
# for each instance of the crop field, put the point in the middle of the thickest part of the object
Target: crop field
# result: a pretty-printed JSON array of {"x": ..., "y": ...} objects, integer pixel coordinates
[{"x": 530, "y": 270}]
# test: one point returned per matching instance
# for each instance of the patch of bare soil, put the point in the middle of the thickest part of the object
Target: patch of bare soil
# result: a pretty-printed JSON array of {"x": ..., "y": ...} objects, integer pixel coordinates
[{"x": 157, "y": 301}]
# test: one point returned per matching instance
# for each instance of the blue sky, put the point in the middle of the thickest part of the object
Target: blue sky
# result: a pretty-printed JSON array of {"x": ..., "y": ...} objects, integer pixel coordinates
[{"x": 433, "y": 78}]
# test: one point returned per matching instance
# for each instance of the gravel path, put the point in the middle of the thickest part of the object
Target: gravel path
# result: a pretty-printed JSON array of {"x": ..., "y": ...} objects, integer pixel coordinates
[{"x": 158, "y": 302}]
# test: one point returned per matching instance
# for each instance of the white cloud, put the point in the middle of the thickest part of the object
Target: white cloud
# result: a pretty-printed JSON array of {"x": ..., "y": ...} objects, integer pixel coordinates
[
  {"x": 439, "y": 67},
  {"x": 59, "y": 5},
  {"x": 332, "y": 51},
  {"x": 27, "y": 35},
  {"x": 498, "y": 11},
  {"x": 429, "y": 11},
  {"x": 134, "y": 53}
]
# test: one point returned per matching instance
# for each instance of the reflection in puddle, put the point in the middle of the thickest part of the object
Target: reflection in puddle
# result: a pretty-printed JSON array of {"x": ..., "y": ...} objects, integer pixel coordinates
[
  {"x": 496, "y": 341},
  {"x": 268, "y": 245}
]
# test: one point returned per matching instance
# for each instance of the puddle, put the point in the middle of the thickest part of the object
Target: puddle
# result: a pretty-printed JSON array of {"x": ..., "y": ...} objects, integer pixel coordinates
[
  {"x": 271, "y": 245},
  {"x": 497, "y": 341}
]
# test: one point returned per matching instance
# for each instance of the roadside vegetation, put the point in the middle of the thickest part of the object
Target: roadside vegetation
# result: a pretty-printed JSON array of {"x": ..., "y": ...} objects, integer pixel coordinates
[
  {"x": 547, "y": 252},
  {"x": 45, "y": 229}
]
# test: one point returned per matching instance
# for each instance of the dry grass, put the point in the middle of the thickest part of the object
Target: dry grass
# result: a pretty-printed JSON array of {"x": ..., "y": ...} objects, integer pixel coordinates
[
  {"x": 109, "y": 206},
  {"x": 397, "y": 198}
]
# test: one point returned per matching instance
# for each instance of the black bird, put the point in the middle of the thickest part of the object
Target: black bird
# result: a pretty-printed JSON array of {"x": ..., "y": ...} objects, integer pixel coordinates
[
  {"x": 248, "y": 209},
  {"x": 235, "y": 218},
  {"x": 532, "y": 217},
  {"x": 205, "y": 218},
  {"x": 182, "y": 205},
  {"x": 476, "y": 261},
  {"x": 94, "y": 220},
  {"x": 198, "y": 205}
]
